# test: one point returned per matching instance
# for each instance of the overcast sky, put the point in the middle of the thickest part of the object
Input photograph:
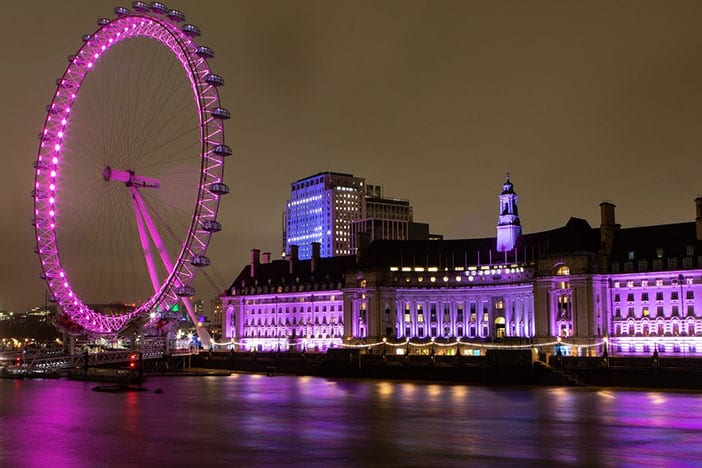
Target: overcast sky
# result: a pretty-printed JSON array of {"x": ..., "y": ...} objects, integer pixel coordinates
[{"x": 581, "y": 101}]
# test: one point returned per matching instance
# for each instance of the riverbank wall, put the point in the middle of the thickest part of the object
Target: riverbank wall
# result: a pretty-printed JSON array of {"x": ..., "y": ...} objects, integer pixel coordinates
[{"x": 499, "y": 367}]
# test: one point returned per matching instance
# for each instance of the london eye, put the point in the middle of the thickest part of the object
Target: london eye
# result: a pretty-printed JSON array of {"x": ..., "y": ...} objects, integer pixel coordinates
[{"x": 129, "y": 173}]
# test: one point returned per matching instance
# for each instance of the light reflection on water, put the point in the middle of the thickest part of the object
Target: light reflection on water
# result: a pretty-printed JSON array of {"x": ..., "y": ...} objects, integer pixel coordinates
[{"x": 305, "y": 421}]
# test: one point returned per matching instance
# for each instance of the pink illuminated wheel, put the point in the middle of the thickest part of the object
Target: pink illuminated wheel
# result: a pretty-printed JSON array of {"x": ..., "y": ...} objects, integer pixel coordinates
[{"x": 129, "y": 173}]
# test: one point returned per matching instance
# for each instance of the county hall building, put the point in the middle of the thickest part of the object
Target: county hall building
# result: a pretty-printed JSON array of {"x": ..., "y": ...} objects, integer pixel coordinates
[{"x": 632, "y": 290}]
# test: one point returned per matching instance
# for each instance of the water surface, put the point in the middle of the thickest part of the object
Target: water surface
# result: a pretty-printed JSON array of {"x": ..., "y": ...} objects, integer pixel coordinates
[{"x": 261, "y": 421}]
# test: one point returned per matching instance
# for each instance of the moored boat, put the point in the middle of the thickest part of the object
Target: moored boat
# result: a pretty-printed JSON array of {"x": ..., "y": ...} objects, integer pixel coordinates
[
  {"x": 119, "y": 388},
  {"x": 117, "y": 376}
]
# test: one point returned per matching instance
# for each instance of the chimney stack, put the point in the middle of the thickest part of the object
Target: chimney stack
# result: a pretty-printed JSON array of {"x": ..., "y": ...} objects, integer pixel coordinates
[
  {"x": 608, "y": 227},
  {"x": 255, "y": 261},
  {"x": 292, "y": 257},
  {"x": 698, "y": 218},
  {"x": 607, "y": 214},
  {"x": 314, "y": 260},
  {"x": 266, "y": 257}
]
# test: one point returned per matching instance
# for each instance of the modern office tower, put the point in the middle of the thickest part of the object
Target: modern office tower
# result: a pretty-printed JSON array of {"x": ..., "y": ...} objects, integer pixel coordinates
[
  {"x": 386, "y": 218},
  {"x": 321, "y": 209}
]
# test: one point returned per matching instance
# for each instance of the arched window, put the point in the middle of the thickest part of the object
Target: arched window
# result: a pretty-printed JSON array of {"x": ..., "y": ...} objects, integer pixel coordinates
[
  {"x": 500, "y": 327},
  {"x": 563, "y": 270}
]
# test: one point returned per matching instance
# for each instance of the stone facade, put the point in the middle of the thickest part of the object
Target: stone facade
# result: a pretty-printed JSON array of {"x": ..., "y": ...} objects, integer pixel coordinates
[{"x": 633, "y": 290}]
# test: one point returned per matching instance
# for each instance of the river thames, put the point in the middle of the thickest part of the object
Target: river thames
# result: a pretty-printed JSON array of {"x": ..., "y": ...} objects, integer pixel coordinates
[{"x": 256, "y": 420}]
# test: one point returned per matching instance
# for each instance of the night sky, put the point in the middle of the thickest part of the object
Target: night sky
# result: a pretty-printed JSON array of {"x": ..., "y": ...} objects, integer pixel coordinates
[{"x": 581, "y": 101}]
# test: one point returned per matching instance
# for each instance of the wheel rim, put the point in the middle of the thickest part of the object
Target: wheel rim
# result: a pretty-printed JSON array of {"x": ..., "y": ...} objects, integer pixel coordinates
[{"x": 52, "y": 189}]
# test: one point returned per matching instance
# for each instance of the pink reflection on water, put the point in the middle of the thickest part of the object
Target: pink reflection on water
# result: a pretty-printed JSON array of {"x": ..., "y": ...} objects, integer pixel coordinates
[{"x": 303, "y": 421}]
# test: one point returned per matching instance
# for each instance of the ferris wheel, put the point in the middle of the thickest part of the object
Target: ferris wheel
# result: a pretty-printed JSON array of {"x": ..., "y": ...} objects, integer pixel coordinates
[{"x": 129, "y": 173}]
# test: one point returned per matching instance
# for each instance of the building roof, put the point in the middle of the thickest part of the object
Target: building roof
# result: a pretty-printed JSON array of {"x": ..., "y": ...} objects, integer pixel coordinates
[
  {"x": 340, "y": 174},
  {"x": 575, "y": 236},
  {"x": 645, "y": 242},
  {"x": 329, "y": 273}
]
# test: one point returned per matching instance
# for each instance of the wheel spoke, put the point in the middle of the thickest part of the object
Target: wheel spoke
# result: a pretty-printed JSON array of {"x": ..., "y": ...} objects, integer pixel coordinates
[{"x": 126, "y": 165}]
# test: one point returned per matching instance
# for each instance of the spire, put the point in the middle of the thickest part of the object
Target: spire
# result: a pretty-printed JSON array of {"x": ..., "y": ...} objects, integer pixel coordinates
[
  {"x": 508, "y": 226},
  {"x": 507, "y": 187}
]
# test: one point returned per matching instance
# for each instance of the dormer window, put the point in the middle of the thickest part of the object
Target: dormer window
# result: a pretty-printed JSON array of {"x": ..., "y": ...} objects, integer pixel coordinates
[
  {"x": 630, "y": 255},
  {"x": 659, "y": 252}
]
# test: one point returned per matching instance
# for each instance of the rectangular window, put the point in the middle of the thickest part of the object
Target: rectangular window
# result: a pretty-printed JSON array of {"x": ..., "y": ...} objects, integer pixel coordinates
[
  {"x": 674, "y": 296},
  {"x": 689, "y": 294},
  {"x": 616, "y": 298},
  {"x": 630, "y": 312},
  {"x": 690, "y": 310},
  {"x": 645, "y": 312},
  {"x": 485, "y": 316},
  {"x": 659, "y": 296},
  {"x": 644, "y": 297},
  {"x": 630, "y": 297},
  {"x": 659, "y": 311}
]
